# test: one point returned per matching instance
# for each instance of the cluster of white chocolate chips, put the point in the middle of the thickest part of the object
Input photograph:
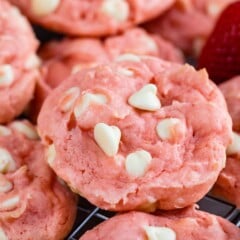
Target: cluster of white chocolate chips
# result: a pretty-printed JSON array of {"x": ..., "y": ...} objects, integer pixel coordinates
[
  {"x": 108, "y": 137},
  {"x": 8, "y": 164},
  {"x": 7, "y": 75}
]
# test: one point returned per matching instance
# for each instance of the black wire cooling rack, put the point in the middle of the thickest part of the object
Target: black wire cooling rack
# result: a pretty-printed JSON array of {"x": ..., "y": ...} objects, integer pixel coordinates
[{"x": 89, "y": 215}]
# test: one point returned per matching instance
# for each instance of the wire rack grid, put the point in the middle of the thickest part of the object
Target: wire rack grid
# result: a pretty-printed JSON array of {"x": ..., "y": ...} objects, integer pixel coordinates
[{"x": 89, "y": 215}]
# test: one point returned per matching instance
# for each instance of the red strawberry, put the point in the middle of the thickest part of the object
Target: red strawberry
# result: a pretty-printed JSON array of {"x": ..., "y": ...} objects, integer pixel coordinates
[{"x": 221, "y": 53}]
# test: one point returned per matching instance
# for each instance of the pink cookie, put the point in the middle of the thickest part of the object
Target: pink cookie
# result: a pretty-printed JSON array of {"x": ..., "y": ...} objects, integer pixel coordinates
[
  {"x": 188, "y": 23},
  {"x": 186, "y": 224},
  {"x": 228, "y": 183},
  {"x": 140, "y": 133},
  {"x": 91, "y": 18},
  {"x": 18, "y": 62},
  {"x": 231, "y": 92},
  {"x": 33, "y": 202},
  {"x": 60, "y": 59}
]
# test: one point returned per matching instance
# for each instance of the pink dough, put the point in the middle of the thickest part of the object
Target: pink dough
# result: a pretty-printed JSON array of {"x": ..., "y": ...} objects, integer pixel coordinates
[
  {"x": 18, "y": 62},
  {"x": 34, "y": 204},
  {"x": 180, "y": 169},
  {"x": 91, "y": 18},
  {"x": 228, "y": 183},
  {"x": 62, "y": 58},
  {"x": 187, "y": 224}
]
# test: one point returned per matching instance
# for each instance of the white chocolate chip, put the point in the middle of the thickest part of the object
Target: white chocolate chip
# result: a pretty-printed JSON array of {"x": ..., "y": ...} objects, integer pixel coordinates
[
  {"x": 234, "y": 147},
  {"x": 160, "y": 233},
  {"x": 213, "y": 8},
  {"x": 5, "y": 185},
  {"x": 9, "y": 204},
  {"x": 44, "y": 7},
  {"x": 78, "y": 67},
  {"x": 86, "y": 100},
  {"x": 107, "y": 138},
  {"x": 125, "y": 72},
  {"x": 25, "y": 129},
  {"x": 149, "y": 43},
  {"x": 198, "y": 43},
  {"x": 128, "y": 57},
  {"x": 166, "y": 128},
  {"x": 6, "y": 75},
  {"x": 5, "y": 131},
  {"x": 137, "y": 163},
  {"x": 15, "y": 12},
  {"x": 69, "y": 98},
  {"x": 6, "y": 161},
  {"x": 3, "y": 235},
  {"x": 32, "y": 62},
  {"x": 116, "y": 9},
  {"x": 146, "y": 98},
  {"x": 51, "y": 154}
]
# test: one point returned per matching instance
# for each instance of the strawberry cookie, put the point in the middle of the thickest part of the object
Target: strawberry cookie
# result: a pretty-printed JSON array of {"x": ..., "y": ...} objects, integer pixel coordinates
[
  {"x": 91, "y": 18},
  {"x": 18, "y": 62},
  {"x": 33, "y": 202},
  {"x": 190, "y": 224},
  {"x": 188, "y": 23},
  {"x": 60, "y": 59},
  {"x": 228, "y": 183},
  {"x": 138, "y": 133}
]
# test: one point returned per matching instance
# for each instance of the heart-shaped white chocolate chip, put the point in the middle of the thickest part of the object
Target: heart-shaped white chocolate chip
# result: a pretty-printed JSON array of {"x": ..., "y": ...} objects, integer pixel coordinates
[
  {"x": 32, "y": 62},
  {"x": 146, "y": 98},
  {"x": 117, "y": 9},
  {"x": 234, "y": 147},
  {"x": 3, "y": 235},
  {"x": 5, "y": 131},
  {"x": 86, "y": 100},
  {"x": 9, "y": 204},
  {"x": 166, "y": 128},
  {"x": 5, "y": 185},
  {"x": 6, "y": 161},
  {"x": 68, "y": 99},
  {"x": 51, "y": 154},
  {"x": 149, "y": 43},
  {"x": 158, "y": 233},
  {"x": 79, "y": 66},
  {"x": 6, "y": 75},
  {"x": 128, "y": 57},
  {"x": 214, "y": 8},
  {"x": 125, "y": 72},
  {"x": 44, "y": 7},
  {"x": 136, "y": 163},
  {"x": 26, "y": 129},
  {"x": 107, "y": 138}
]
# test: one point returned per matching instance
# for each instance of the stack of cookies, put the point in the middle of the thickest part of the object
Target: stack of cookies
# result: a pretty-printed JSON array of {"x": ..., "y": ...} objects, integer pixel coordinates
[{"x": 110, "y": 111}]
